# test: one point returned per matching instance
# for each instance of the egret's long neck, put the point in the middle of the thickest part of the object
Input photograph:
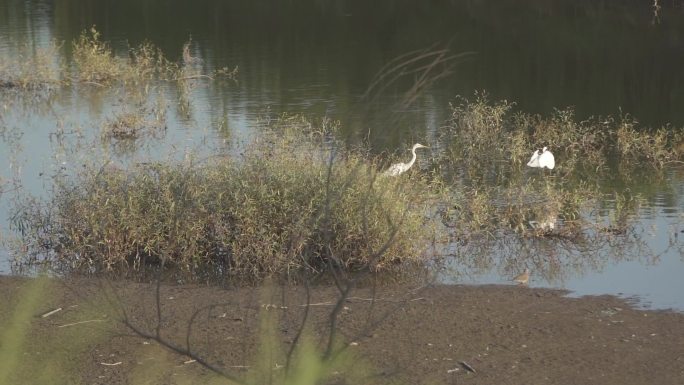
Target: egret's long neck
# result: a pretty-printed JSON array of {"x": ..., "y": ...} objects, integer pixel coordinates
[{"x": 413, "y": 159}]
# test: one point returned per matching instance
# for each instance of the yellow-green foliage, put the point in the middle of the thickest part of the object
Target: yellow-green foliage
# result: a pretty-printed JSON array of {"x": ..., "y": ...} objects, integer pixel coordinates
[
  {"x": 308, "y": 365},
  {"x": 483, "y": 132},
  {"x": 95, "y": 61},
  {"x": 656, "y": 147},
  {"x": 282, "y": 207},
  {"x": 16, "y": 326},
  {"x": 38, "y": 69}
]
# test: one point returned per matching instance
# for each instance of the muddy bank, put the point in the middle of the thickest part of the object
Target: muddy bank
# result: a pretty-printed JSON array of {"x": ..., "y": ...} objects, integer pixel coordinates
[{"x": 398, "y": 334}]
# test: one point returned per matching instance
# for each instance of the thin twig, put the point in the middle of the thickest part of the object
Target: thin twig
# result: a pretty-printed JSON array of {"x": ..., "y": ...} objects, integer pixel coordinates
[
  {"x": 190, "y": 77},
  {"x": 350, "y": 299},
  {"x": 81, "y": 322},
  {"x": 316, "y": 304},
  {"x": 467, "y": 366},
  {"x": 108, "y": 364},
  {"x": 51, "y": 312}
]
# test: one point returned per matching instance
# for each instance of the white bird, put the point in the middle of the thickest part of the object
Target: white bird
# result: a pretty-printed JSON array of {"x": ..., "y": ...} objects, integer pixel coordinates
[
  {"x": 543, "y": 158},
  {"x": 534, "y": 160},
  {"x": 399, "y": 168}
]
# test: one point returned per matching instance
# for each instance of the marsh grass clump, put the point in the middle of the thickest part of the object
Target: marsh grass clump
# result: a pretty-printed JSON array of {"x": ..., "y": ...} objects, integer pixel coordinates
[
  {"x": 125, "y": 126},
  {"x": 132, "y": 124},
  {"x": 94, "y": 59},
  {"x": 95, "y": 62},
  {"x": 36, "y": 69},
  {"x": 293, "y": 202},
  {"x": 480, "y": 126},
  {"x": 490, "y": 138},
  {"x": 655, "y": 147},
  {"x": 496, "y": 196},
  {"x": 536, "y": 209}
]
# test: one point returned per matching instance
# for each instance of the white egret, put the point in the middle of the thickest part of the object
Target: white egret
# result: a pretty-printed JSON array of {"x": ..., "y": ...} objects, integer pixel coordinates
[
  {"x": 399, "y": 168},
  {"x": 534, "y": 160},
  {"x": 542, "y": 158},
  {"x": 547, "y": 160},
  {"x": 523, "y": 278}
]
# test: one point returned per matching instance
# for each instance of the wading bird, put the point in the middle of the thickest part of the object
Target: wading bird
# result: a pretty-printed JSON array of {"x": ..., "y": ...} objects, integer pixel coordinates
[
  {"x": 543, "y": 158},
  {"x": 399, "y": 168},
  {"x": 523, "y": 278}
]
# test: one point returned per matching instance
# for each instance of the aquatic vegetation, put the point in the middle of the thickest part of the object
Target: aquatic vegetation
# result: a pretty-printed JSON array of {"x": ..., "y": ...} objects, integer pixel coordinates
[
  {"x": 577, "y": 216},
  {"x": 488, "y": 150},
  {"x": 34, "y": 70},
  {"x": 95, "y": 63},
  {"x": 654, "y": 147},
  {"x": 493, "y": 211},
  {"x": 482, "y": 134},
  {"x": 285, "y": 206},
  {"x": 135, "y": 123}
]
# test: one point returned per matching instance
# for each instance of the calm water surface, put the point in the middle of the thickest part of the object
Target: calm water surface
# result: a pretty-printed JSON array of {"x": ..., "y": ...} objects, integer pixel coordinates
[{"x": 320, "y": 58}]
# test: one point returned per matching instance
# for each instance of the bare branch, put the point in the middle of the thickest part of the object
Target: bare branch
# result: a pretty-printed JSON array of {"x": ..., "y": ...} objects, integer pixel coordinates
[
  {"x": 157, "y": 328},
  {"x": 183, "y": 351},
  {"x": 422, "y": 62},
  {"x": 302, "y": 326}
]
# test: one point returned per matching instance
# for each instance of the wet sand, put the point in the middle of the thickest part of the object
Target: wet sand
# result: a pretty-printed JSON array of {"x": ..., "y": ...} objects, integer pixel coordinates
[{"x": 396, "y": 334}]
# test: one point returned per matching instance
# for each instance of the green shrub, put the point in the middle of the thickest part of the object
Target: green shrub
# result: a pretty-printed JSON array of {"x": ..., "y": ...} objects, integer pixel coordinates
[{"x": 284, "y": 206}]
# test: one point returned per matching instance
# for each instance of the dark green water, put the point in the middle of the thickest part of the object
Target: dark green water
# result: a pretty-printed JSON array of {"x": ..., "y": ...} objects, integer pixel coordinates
[{"x": 320, "y": 56}]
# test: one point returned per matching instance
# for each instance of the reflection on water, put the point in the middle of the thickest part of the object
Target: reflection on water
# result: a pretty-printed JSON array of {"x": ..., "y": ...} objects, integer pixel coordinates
[
  {"x": 645, "y": 263},
  {"x": 321, "y": 58}
]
